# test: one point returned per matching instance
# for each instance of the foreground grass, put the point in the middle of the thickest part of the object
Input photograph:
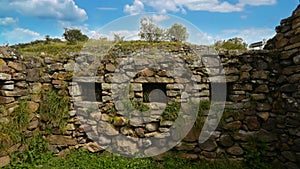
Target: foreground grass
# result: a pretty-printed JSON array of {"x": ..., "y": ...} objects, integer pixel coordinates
[{"x": 86, "y": 160}]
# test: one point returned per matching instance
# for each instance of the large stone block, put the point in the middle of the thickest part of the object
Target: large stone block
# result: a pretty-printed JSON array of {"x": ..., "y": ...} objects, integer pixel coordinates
[{"x": 33, "y": 75}]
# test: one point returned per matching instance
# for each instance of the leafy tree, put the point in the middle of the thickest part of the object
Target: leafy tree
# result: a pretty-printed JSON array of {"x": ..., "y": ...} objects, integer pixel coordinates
[
  {"x": 149, "y": 31},
  {"x": 233, "y": 43},
  {"x": 74, "y": 35},
  {"x": 177, "y": 33},
  {"x": 118, "y": 38},
  {"x": 47, "y": 39}
]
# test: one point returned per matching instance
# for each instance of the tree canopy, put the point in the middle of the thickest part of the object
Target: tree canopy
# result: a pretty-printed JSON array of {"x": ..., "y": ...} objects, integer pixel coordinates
[
  {"x": 74, "y": 35},
  {"x": 149, "y": 31},
  {"x": 231, "y": 44},
  {"x": 177, "y": 33}
]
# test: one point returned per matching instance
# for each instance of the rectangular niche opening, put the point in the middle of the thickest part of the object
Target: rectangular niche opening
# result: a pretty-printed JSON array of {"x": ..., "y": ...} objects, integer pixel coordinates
[
  {"x": 159, "y": 92},
  {"x": 90, "y": 91},
  {"x": 219, "y": 92}
]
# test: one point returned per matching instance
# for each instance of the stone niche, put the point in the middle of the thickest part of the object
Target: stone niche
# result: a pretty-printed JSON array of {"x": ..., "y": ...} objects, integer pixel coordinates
[
  {"x": 154, "y": 92},
  {"x": 91, "y": 91}
]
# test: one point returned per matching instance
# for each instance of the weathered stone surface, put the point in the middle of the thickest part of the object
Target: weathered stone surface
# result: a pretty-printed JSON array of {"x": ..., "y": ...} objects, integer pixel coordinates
[
  {"x": 16, "y": 66},
  {"x": 189, "y": 146},
  {"x": 147, "y": 72},
  {"x": 294, "y": 78},
  {"x": 263, "y": 115},
  {"x": 258, "y": 96},
  {"x": 110, "y": 67},
  {"x": 4, "y": 161},
  {"x": 289, "y": 155},
  {"x": 263, "y": 107},
  {"x": 235, "y": 150},
  {"x": 33, "y": 124},
  {"x": 32, "y": 106},
  {"x": 33, "y": 75},
  {"x": 289, "y": 88},
  {"x": 296, "y": 59},
  {"x": 233, "y": 125},
  {"x": 209, "y": 145},
  {"x": 106, "y": 128},
  {"x": 5, "y": 100},
  {"x": 61, "y": 140},
  {"x": 283, "y": 42},
  {"x": 119, "y": 121},
  {"x": 262, "y": 89},
  {"x": 252, "y": 123},
  {"x": 125, "y": 146},
  {"x": 140, "y": 132},
  {"x": 151, "y": 127},
  {"x": 260, "y": 75},
  {"x": 192, "y": 136},
  {"x": 265, "y": 136},
  {"x": 226, "y": 140},
  {"x": 4, "y": 76},
  {"x": 93, "y": 147},
  {"x": 189, "y": 156},
  {"x": 14, "y": 93}
]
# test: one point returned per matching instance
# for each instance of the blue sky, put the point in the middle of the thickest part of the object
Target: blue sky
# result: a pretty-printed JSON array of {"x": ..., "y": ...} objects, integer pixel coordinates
[{"x": 207, "y": 20}]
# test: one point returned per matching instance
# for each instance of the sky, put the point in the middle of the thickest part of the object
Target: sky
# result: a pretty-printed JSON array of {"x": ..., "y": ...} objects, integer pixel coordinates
[{"x": 207, "y": 21}]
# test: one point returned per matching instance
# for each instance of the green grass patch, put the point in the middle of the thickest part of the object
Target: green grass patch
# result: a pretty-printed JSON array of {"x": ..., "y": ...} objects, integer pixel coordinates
[
  {"x": 84, "y": 159},
  {"x": 54, "y": 109},
  {"x": 11, "y": 131},
  {"x": 55, "y": 50}
]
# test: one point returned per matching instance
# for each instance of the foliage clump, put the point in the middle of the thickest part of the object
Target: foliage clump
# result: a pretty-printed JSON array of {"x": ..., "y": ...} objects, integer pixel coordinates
[
  {"x": 231, "y": 44},
  {"x": 54, "y": 109},
  {"x": 12, "y": 130},
  {"x": 74, "y": 35}
]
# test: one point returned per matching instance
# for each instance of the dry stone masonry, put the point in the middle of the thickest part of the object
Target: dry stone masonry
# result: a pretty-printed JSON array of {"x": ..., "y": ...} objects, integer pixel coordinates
[{"x": 262, "y": 107}]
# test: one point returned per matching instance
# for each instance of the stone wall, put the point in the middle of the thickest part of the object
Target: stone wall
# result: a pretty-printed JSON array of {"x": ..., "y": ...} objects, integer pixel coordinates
[{"x": 261, "y": 112}]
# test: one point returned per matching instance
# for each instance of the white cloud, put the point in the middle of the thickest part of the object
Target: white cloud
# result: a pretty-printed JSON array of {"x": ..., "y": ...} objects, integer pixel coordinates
[
  {"x": 136, "y": 8},
  {"x": 21, "y": 35},
  {"x": 250, "y": 35},
  {"x": 256, "y": 2},
  {"x": 159, "y": 18},
  {"x": 211, "y": 5},
  {"x": 203, "y": 39},
  {"x": 65, "y": 10},
  {"x": 7, "y": 21},
  {"x": 195, "y": 5}
]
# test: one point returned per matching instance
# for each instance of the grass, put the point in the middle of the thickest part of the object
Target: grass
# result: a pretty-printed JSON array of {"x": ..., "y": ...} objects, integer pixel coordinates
[
  {"x": 54, "y": 109},
  {"x": 171, "y": 111},
  {"x": 203, "y": 107},
  {"x": 105, "y": 160},
  {"x": 11, "y": 131},
  {"x": 60, "y": 49},
  {"x": 55, "y": 49}
]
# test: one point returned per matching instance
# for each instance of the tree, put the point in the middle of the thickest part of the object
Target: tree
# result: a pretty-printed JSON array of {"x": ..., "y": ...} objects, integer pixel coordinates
[
  {"x": 177, "y": 33},
  {"x": 74, "y": 35},
  {"x": 47, "y": 39},
  {"x": 118, "y": 38},
  {"x": 231, "y": 44},
  {"x": 149, "y": 31}
]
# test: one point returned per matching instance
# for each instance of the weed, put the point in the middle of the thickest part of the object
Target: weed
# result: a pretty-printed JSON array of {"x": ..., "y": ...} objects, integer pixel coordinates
[
  {"x": 54, "y": 109},
  {"x": 11, "y": 131},
  {"x": 171, "y": 111},
  {"x": 203, "y": 108},
  {"x": 255, "y": 151},
  {"x": 229, "y": 113}
]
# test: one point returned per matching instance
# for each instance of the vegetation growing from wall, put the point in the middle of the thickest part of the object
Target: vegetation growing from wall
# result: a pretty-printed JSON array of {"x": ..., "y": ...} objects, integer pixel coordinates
[
  {"x": 11, "y": 131},
  {"x": 54, "y": 109}
]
